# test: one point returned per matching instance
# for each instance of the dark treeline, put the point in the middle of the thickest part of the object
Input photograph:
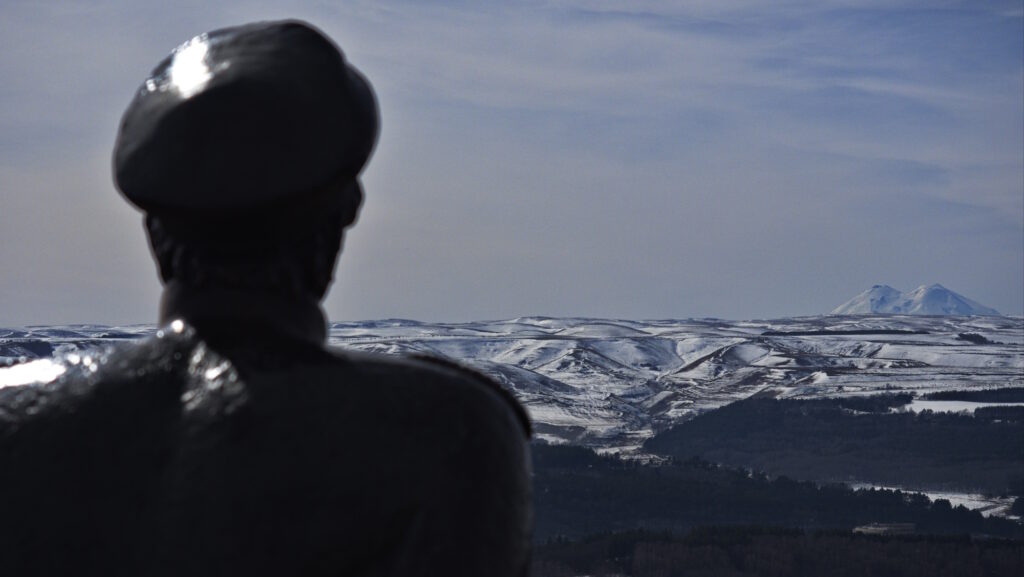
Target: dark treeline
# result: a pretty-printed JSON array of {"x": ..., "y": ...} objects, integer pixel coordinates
[
  {"x": 859, "y": 439},
  {"x": 1004, "y": 395},
  {"x": 774, "y": 552},
  {"x": 577, "y": 492},
  {"x": 975, "y": 338},
  {"x": 1001, "y": 413},
  {"x": 827, "y": 332}
]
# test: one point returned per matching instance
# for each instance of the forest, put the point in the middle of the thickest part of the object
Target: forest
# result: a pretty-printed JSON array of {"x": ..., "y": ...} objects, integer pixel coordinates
[
  {"x": 748, "y": 551},
  {"x": 862, "y": 440},
  {"x": 1002, "y": 395},
  {"x": 578, "y": 493}
]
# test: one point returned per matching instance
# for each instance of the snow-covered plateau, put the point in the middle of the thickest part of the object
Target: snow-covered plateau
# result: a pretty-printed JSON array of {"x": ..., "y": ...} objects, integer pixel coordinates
[{"x": 611, "y": 384}]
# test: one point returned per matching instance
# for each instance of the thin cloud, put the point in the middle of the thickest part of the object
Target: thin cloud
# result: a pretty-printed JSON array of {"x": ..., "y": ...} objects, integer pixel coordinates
[{"x": 644, "y": 158}]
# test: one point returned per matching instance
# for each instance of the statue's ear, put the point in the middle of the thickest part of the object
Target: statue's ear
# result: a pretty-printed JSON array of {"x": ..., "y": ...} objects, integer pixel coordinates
[
  {"x": 160, "y": 246},
  {"x": 352, "y": 200}
]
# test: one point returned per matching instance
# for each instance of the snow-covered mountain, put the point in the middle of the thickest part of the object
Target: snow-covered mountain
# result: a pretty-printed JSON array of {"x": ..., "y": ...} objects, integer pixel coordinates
[
  {"x": 932, "y": 299},
  {"x": 611, "y": 384}
]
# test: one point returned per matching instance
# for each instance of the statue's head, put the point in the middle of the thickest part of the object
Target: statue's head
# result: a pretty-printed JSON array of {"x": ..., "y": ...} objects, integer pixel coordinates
[{"x": 244, "y": 148}]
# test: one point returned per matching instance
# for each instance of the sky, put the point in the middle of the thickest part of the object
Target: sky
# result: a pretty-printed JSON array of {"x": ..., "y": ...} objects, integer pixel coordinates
[{"x": 633, "y": 159}]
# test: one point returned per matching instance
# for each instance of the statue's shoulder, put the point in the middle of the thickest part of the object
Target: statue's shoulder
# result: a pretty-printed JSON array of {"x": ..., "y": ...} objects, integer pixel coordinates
[
  {"x": 434, "y": 375},
  {"x": 76, "y": 385},
  {"x": 478, "y": 378},
  {"x": 83, "y": 438}
]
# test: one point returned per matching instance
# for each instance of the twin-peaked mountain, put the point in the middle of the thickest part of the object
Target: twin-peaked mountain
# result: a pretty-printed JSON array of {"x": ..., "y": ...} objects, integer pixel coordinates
[{"x": 932, "y": 299}]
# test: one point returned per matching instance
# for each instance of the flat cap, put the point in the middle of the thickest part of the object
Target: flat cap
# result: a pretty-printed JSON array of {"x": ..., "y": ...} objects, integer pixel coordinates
[{"x": 245, "y": 118}]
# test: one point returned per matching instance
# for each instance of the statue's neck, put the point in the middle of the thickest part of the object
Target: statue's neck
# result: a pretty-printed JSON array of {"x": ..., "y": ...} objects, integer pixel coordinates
[{"x": 224, "y": 310}]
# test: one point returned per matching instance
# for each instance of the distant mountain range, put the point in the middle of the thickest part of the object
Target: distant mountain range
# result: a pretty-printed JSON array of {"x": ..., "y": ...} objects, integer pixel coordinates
[
  {"x": 932, "y": 299},
  {"x": 612, "y": 384}
]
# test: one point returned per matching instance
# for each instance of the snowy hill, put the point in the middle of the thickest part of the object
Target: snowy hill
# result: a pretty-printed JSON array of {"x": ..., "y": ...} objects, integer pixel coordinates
[
  {"x": 611, "y": 384},
  {"x": 925, "y": 300}
]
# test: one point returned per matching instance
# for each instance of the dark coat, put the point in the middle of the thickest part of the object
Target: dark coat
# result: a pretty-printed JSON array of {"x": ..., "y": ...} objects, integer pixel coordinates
[{"x": 179, "y": 456}]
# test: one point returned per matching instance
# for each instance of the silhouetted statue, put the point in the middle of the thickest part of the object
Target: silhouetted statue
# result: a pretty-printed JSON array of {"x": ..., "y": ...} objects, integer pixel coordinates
[{"x": 233, "y": 442}]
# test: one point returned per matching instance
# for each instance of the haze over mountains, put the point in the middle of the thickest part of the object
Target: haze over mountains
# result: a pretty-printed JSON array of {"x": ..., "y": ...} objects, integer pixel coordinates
[{"x": 933, "y": 299}]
